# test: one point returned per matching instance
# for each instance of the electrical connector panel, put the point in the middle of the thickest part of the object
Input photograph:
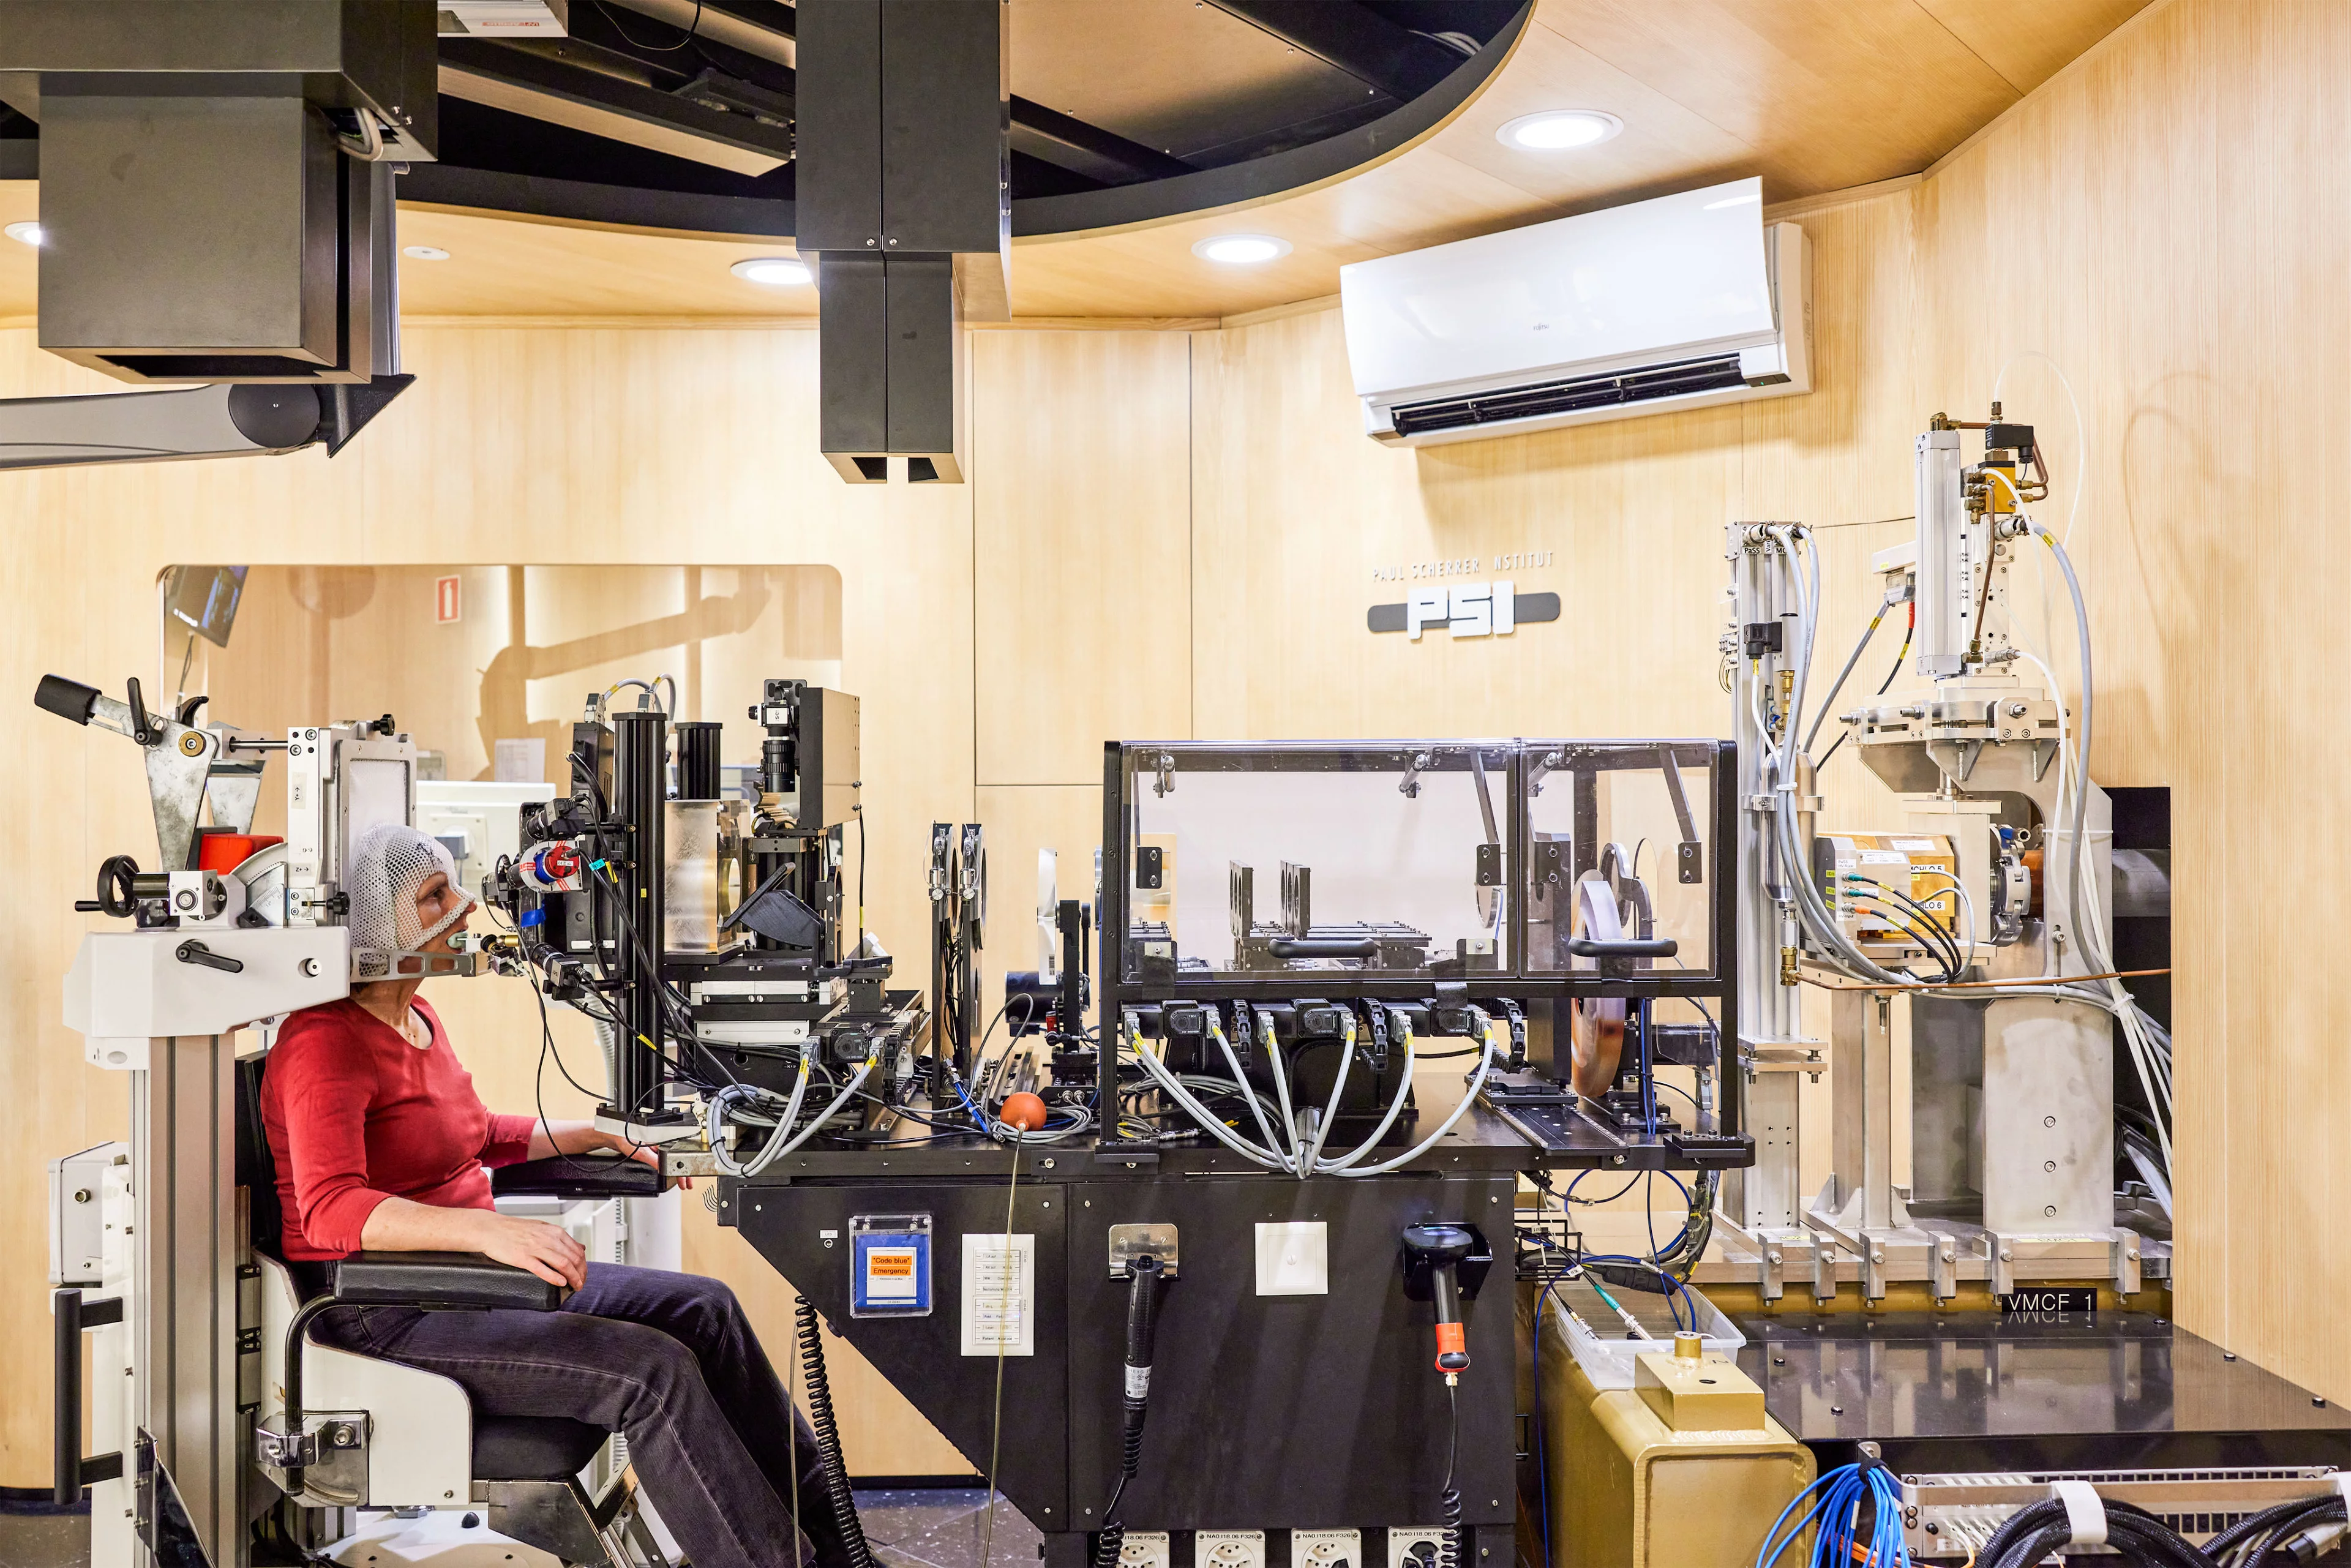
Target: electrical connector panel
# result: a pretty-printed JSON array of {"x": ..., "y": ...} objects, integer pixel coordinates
[{"x": 1228, "y": 1549}]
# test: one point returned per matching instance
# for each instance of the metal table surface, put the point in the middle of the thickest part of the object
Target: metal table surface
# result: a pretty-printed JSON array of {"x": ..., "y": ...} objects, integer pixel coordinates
[{"x": 1963, "y": 1391}]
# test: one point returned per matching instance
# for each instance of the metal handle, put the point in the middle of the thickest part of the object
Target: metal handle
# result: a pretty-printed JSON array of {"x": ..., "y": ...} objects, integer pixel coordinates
[
  {"x": 66, "y": 1440},
  {"x": 1323, "y": 947},
  {"x": 70, "y": 1470},
  {"x": 1624, "y": 947}
]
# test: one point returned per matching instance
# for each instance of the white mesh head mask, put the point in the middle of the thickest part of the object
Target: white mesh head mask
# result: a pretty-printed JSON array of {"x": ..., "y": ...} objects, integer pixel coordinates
[{"x": 387, "y": 866}]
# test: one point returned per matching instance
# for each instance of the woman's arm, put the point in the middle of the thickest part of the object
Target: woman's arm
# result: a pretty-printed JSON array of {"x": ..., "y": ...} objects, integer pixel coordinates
[
  {"x": 548, "y": 1138},
  {"x": 398, "y": 1225}
]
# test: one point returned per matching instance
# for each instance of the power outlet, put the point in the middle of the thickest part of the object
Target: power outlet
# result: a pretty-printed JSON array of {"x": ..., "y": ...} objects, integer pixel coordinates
[
  {"x": 1144, "y": 1549},
  {"x": 1414, "y": 1545},
  {"x": 1326, "y": 1549},
  {"x": 1228, "y": 1549}
]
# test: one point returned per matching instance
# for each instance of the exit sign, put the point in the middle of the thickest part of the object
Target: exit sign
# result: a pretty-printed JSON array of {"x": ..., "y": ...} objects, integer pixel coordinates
[{"x": 447, "y": 604}]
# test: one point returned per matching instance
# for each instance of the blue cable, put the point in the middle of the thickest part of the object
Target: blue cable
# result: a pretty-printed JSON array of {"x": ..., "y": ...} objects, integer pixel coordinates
[{"x": 1843, "y": 1491}]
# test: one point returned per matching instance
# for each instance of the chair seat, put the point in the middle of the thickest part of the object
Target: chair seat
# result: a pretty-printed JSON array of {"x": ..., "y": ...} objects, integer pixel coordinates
[{"x": 533, "y": 1447}]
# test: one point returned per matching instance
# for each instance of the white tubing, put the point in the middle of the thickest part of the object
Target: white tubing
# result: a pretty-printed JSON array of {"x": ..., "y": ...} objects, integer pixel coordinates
[
  {"x": 714, "y": 1115},
  {"x": 1469, "y": 1097},
  {"x": 823, "y": 1116},
  {"x": 1263, "y": 1024},
  {"x": 1396, "y": 1108},
  {"x": 1233, "y": 1060},
  {"x": 1338, "y": 1087},
  {"x": 1208, "y": 1122},
  {"x": 2081, "y": 431}
]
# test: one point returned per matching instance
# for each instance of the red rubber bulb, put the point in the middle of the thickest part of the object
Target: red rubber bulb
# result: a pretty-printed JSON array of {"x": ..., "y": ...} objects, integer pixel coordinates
[{"x": 1023, "y": 1111}]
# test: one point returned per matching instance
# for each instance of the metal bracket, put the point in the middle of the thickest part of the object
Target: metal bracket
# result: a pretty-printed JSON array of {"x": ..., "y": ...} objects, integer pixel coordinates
[
  {"x": 1943, "y": 1266},
  {"x": 1131, "y": 1241},
  {"x": 2000, "y": 1263},
  {"x": 2127, "y": 1281},
  {"x": 1824, "y": 1269}
]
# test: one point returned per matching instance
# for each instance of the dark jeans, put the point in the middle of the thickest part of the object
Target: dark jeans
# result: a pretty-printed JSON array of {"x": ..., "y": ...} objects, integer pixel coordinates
[{"x": 667, "y": 1359}]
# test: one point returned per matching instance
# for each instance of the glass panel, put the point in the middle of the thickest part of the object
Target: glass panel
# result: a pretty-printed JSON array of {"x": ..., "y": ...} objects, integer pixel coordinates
[
  {"x": 1612, "y": 855},
  {"x": 1281, "y": 860}
]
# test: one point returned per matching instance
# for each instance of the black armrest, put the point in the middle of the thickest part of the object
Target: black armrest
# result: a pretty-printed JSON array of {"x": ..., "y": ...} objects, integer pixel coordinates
[
  {"x": 577, "y": 1176},
  {"x": 440, "y": 1280}
]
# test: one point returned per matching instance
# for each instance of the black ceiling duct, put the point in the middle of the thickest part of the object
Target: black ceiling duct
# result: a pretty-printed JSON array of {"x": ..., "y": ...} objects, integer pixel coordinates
[{"x": 905, "y": 206}]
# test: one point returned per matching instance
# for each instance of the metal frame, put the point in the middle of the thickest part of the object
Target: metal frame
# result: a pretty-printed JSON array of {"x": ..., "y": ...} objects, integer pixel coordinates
[
  {"x": 1513, "y": 979},
  {"x": 1716, "y": 982}
]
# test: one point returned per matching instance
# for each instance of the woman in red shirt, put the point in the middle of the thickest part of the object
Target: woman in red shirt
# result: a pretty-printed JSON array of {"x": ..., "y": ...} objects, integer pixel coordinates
[{"x": 381, "y": 1144}]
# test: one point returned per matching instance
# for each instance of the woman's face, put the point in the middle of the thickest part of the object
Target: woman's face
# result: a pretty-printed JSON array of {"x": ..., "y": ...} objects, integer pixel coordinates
[{"x": 436, "y": 897}]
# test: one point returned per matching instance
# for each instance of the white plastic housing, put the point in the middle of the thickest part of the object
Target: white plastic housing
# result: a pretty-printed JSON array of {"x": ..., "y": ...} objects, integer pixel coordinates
[{"x": 1625, "y": 292}]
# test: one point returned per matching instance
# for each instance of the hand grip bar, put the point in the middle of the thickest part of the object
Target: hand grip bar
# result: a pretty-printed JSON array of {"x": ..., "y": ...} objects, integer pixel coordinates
[
  {"x": 71, "y": 1471},
  {"x": 1323, "y": 947},
  {"x": 1625, "y": 947}
]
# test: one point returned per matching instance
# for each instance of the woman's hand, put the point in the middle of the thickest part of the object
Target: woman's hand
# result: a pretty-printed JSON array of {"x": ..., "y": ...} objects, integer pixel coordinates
[
  {"x": 544, "y": 1250},
  {"x": 399, "y": 1225}
]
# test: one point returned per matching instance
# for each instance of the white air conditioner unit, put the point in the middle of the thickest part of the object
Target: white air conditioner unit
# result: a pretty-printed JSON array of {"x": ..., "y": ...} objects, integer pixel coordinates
[{"x": 1677, "y": 303}]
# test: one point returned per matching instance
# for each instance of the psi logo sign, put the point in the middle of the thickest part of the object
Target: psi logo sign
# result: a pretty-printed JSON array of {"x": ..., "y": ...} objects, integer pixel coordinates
[{"x": 1465, "y": 610}]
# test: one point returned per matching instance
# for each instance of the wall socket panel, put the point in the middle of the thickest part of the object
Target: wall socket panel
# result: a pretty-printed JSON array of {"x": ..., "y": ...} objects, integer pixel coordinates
[
  {"x": 1326, "y": 1549},
  {"x": 1144, "y": 1549},
  {"x": 1228, "y": 1549},
  {"x": 1414, "y": 1545}
]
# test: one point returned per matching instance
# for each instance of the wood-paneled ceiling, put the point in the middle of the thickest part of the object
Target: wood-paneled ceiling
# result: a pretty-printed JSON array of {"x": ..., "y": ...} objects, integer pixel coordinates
[{"x": 1811, "y": 95}]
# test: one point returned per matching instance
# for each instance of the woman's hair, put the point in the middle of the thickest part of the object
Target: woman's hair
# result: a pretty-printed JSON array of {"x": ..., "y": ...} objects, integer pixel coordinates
[{"x": 387, "y": 866}]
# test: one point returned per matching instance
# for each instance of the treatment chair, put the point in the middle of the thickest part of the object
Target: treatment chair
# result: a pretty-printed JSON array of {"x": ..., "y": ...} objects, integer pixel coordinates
[{"x": 339, "y": 1431}]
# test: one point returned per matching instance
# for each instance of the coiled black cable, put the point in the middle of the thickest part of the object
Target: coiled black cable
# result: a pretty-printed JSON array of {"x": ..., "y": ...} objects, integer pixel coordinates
[
  {"x": 1449, "y": 1501},
  {"x": 828, "y": 1436},
  {"x": 2275, "y": 1527},
  {"x": 2032, "y": 1534}
]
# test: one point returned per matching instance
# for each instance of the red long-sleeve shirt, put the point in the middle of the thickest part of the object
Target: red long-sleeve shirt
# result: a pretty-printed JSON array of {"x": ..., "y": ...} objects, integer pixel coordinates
[{"x": 356, "y": 1114}]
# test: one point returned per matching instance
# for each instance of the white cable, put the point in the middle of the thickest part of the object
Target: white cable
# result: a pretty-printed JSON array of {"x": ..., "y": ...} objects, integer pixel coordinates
[
  {"x": 1200, "y": 1113},
  {"x": 1967, "y": 904},
  {"x": 1395, "y": 1107},
  {"x": 824, "y": 1116},
  {"x": 1338, "y": 1088},
  {"x": 2154, "y": 1070},
  {"x": 1469, "y": 1097},
  {"x": 1263, "y": 1021},
  {"x": 2081, "y": 430},
  {"x": 1233, "y": 1060}
]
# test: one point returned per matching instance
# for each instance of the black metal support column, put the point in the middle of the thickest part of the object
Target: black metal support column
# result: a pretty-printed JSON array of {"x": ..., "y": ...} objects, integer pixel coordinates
[{"x": 640, "y": 793}]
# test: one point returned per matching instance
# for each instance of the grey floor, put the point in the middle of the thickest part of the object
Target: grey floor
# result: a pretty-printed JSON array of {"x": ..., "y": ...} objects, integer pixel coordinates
[
  {"x": 44, "y": 1541},
  {"x": 907, "y": 1529},
  {"x": 937, "y": 1528}
]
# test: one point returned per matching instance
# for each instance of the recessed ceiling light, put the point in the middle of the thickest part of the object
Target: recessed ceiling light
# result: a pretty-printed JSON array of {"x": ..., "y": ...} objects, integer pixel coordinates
[
  {"x": 1557, "y": 130},
  {"x": 424, "y": 252},
  {"x": 777, "y": 271},
  {"x": 1749, "y": 199},
  {"x": 27, "y": 233},
  {"x": 1241, "y": 250}
]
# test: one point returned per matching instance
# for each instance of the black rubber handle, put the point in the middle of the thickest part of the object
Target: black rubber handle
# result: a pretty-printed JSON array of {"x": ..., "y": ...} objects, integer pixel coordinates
[
  {"x": 65, "y": 698},
  {"x": 1143, "y": 1274},
  {"x": 1323, "y": 947},
  {"x": 1625, "y": 947},
  {"x": 194, "y": 952}
]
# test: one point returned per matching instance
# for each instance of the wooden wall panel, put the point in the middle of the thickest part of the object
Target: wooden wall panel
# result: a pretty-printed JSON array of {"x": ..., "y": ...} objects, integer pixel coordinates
[
  {"x": 1082, "y": 449},
  {"x": 1212, "y": 497}
]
